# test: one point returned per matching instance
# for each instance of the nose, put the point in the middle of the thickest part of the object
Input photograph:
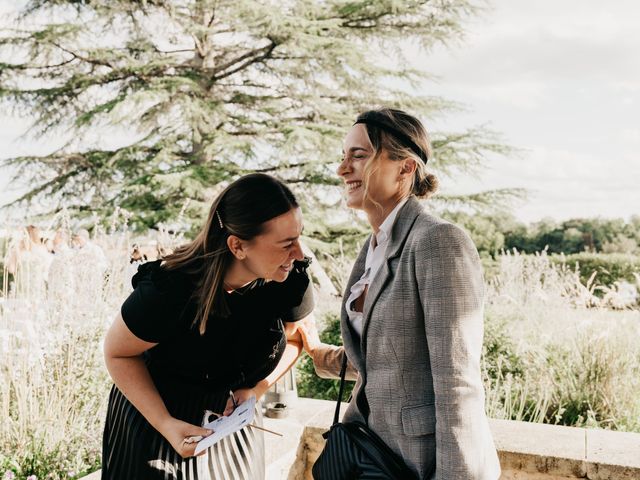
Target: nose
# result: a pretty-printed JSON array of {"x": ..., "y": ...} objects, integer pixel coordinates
[
  {"x": 343, "y": 167},
  {"x": 296, "y": 251}
]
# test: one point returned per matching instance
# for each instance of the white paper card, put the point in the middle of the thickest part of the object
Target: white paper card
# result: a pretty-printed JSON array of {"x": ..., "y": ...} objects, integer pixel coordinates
[{"x": 225, "y": 426}]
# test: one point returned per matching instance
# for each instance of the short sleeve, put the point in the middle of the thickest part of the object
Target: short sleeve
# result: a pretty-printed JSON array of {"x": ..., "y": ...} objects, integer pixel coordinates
[
  {"x": 150, "y": 312},
  {"x": 300, "y": 293}
]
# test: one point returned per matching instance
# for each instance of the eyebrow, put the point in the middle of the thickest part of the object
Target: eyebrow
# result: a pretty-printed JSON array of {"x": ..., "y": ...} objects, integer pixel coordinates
[
  {"x": 291, "y": 239},
  {"x": 355, "y": 149}
]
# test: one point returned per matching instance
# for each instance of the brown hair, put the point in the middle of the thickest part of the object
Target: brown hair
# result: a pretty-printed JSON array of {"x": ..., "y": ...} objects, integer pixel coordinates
[
  {"x": 415, "y": 136},
  {"x": 241, "y": 210}
]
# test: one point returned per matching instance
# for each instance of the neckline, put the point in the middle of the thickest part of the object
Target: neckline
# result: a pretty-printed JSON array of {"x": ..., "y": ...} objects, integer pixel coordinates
[{"x": 242, "y": 291}]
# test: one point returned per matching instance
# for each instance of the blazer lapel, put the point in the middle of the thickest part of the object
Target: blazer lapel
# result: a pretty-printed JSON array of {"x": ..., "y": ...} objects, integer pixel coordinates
[
  {"x": 401, "y": 227},
  {"x": 349, "y": 337}
]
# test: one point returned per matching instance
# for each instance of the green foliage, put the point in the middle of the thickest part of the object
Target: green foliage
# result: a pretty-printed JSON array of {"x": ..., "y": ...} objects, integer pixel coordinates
[
  {"x": 586, "y": 376},
  {"x": 490, "y": 267},
  {"x": 484, "y": 231},
  {"x": 507, "y": 374},
  {"x": 499, "y": 231},
  {"x": 72, "y": 383},
  {"x": 336, "y": 247},
  {"x": 587, "y": 381},
  {"x": 48, "y": 464},
  {"x": 609, "y": 268},
  {"x": 499, "y": 357},
  {"x": 190, "y": 95},
  {"x": 579, "y": 383},
  {"x": 575, "y": 236},
  {"x": 309, "y": 384}
]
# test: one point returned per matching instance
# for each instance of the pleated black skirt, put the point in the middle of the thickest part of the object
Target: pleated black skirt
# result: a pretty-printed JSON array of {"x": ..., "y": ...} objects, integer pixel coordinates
[{"x": 133, "y": 450}]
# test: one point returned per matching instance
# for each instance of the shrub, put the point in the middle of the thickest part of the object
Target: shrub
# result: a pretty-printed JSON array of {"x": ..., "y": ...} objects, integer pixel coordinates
[
  {"x": 608, "y": 267},
  {"x": 499, "y": 357}
]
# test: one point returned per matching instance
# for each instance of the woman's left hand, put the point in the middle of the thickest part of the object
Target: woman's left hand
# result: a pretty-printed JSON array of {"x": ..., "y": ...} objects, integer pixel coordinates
[{"x": 241, "y": 396}]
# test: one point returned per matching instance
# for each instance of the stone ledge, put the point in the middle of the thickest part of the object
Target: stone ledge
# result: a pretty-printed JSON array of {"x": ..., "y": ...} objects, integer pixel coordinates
[
  {"x": 527, "y": 451},
  {"x": 551, "y": 450},
  {"x": 612, "y": 455},
  {"x": 530, "y": 451}
]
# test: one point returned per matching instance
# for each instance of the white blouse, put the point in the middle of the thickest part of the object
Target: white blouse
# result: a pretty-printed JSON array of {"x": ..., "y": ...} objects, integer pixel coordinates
[{"x": 376, "y": 255}]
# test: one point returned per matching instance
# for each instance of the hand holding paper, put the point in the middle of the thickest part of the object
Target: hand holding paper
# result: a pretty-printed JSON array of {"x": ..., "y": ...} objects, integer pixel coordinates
[{"x": 224, "y": 426}]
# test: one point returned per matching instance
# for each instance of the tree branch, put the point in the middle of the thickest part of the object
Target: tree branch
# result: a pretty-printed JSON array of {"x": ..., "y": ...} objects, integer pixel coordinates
[
  {"x": 83, "y": 58},
  {"x": 41, "y": 188},
  {"x": 198, "y": 46},
  {"x": 39, "y": 67},
  {"x": 284, "y": 166},
  {"x": 252, "y": 56},
  {"x": 181, "y": 50}
]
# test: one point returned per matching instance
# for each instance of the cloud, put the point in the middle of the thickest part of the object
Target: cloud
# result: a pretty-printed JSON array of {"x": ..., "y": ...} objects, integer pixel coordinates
[
  {"x": 561, "y": 80},
  {"x": 563, "y": 184},
  {"x": 630, "y": 136},
  {"x": 522, "y": 44}
]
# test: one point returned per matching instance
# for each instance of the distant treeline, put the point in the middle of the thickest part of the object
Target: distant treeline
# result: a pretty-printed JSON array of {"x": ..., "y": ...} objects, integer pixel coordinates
[{"x": 493, "y": 233}]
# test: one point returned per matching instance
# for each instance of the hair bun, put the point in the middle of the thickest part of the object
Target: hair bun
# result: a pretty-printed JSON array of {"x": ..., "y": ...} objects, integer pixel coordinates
[{"x": 426, "y": 187}]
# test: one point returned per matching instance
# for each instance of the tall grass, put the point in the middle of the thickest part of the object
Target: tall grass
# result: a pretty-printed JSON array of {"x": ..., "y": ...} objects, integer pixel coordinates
[
  {"x": 556, "y": 353},
  {"x": 53, "y": 384}
]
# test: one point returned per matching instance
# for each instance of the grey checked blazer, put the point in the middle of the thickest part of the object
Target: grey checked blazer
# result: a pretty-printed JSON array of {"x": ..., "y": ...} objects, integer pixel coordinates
[{"x": 418, "y": 361}]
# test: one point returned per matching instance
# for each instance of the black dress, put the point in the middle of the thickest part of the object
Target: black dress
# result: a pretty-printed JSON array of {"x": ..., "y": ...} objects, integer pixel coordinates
[{"x": 194, "y": 372}]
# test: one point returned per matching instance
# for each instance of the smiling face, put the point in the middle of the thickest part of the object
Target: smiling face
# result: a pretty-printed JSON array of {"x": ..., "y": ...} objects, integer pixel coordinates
[
  {"x": 269, "y": 255},
  {"x": 381, "y": 178}
]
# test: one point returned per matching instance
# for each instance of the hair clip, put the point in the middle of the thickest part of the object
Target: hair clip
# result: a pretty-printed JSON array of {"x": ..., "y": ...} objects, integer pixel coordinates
[{"x": 219, "y": 219}]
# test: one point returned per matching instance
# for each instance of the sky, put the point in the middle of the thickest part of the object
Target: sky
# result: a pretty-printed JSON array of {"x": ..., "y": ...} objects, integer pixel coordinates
[{"x": 560, "y": 80}]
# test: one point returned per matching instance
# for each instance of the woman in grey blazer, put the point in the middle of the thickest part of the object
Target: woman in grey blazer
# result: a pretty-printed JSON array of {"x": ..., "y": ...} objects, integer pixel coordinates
[{"x": 412, "y": 313}]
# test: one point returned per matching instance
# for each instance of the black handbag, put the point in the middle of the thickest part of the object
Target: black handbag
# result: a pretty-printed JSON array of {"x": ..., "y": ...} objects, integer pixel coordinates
[{"x": 353, "y": 451}]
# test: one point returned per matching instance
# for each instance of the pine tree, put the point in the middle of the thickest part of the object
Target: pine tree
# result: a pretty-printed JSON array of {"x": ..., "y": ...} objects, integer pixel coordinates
[{"x": 160, "y": 101}]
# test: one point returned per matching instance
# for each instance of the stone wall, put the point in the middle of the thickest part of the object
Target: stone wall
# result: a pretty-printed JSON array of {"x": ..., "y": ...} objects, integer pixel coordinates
[{"x": 527, "y": 451}]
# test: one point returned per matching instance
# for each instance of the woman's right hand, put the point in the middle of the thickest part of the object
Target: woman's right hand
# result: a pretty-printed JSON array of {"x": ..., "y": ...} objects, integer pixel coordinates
[
  {"x": 177, "y": 432},
  {"x": 309, "y": 333}
]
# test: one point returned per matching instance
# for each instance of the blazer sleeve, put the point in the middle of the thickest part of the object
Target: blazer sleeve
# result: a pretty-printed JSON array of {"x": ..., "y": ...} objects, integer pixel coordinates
[
  {"x": 327, "y": 361},
  {"x": 451, "y": 288}
]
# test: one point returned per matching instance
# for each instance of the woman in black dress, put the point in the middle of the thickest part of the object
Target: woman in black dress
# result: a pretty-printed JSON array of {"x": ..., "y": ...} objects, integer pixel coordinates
[{"x": 211, "y": 318}]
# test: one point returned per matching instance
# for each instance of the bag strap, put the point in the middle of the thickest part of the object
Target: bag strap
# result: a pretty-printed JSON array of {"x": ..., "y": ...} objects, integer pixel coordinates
[{"x": 343, "y": 372}]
